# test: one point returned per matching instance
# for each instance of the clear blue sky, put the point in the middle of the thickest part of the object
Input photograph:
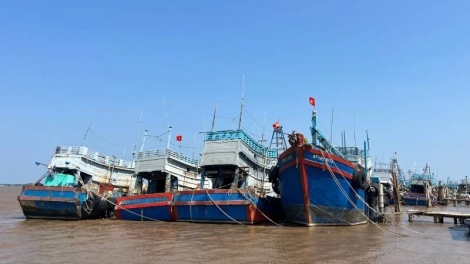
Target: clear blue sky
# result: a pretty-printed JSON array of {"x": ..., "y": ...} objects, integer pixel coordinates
[{"x": 399, "y": 70}]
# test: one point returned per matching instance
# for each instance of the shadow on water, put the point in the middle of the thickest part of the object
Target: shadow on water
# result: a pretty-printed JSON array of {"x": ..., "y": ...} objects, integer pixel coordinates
[{"x": 459, "y": 233}]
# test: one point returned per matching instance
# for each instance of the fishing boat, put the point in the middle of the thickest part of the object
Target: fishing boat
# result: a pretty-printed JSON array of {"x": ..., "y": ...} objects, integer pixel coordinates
[
  {"x": 383, "y": 171},
  {"x": 321, "y": 184},
  {"x": 159, "y": 174},
  {"x": 72, "y": 188},
  {"x": 237, "y": 167},
  {"x": 420, "y": 186}
]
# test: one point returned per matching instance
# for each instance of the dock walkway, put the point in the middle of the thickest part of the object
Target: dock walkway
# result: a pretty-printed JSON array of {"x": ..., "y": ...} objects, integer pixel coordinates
[
  {"x": 439, "y": 215},
  {"x": 456, "y": 201}
]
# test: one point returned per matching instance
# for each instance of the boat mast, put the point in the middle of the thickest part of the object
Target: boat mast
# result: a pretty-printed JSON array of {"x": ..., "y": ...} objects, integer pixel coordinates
[
  {"x": 313, "y": 128},
  {"x": 213, "y": 118},
  {"x": 137, "y": 136},
  {"x": 169, "y": 138},
  {"x": 241, "y": 105},
  {"x": 168, "y": 123},
  {"x": 86, "y": 133},
  {"x": 143, "y": 140}
]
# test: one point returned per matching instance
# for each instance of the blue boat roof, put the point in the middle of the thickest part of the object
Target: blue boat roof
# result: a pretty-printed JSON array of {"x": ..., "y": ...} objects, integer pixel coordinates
[{"x": 242, "y": 135}]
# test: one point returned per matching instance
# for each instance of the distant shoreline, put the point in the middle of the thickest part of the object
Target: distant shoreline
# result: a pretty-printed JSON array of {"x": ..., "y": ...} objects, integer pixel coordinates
[{"x": 15, "y": 184}]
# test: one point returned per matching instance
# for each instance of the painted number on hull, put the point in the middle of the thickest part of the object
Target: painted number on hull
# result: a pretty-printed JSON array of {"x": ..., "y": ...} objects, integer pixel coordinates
[{"x": 321, "y": 159}]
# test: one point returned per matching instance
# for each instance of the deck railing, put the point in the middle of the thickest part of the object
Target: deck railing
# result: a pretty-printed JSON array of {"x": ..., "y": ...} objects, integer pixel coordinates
[
  {"x": 166, "y": 152},
  {"x": 240, "y": 134},
  {"x": 93, "y": 155}
]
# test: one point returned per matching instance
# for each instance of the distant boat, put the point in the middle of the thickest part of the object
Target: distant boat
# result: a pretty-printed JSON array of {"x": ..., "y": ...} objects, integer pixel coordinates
[
  {"x": 237, "y": 167},
  {"x": 417, "y": 191},
  {"x": 73, "y": 185},
  {"x": 164, "y": 172},
  {"x": 383, "y": 171},
  {"x": 321, "y": 184}
]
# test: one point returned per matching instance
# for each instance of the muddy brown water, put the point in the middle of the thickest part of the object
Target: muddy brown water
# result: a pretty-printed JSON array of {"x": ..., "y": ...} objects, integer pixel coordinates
[{"x": 115, "y": 241}]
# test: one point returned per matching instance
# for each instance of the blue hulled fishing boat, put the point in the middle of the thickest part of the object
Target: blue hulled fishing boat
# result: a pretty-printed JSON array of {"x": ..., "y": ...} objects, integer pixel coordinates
[
  {"x": 320, "y": 184},
  {"x": 73, "y": 186},
  {"x": 237, "y": 167},
  {"x": 163, "y": 173}
]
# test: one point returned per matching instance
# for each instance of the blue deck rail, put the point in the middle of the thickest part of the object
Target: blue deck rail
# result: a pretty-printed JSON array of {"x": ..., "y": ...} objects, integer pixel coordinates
[{"x": 240, "y": 134}]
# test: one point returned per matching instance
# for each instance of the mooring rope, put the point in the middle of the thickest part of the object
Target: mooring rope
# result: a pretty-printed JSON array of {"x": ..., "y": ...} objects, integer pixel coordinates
[
  {"x": 256, "y": 207},
  {"x": 207, "y": 192},
  {"x": 365, "y": 203}
]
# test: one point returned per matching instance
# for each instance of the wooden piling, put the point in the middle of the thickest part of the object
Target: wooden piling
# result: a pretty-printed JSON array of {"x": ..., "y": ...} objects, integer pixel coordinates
[{"x": 396, "y": 193}]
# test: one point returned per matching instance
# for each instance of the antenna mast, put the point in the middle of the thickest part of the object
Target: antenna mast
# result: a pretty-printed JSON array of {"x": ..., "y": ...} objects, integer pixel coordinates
[
  {"x": 137, "y": 136},
  {"x": 86, "y": 133},
  {"x": 241, "y": 106},
  {"x": 168, "y": 123},
  {"x": 213, "y": 118}
]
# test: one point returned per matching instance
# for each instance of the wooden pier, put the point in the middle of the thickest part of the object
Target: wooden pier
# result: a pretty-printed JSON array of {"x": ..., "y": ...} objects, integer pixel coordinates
[
  {"x": 456, "y": 201},
  {"x": 439, "y": 215}
]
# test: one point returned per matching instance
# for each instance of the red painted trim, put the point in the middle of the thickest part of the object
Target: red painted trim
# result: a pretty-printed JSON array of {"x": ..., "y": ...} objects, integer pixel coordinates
[
  {"x": 331, "y": 156},
  {"x": 169, "y": 196},
  {"x": 335, "y": 170},
  {"x": 287, "y": 165},
  {"x": 212, "y": 191},
  {"x": 304, "y": 179},
  {"x": 318, "y": 165},
  {"x": 287, "y": 152},
  {"x": 244, "y": 202},
  {"x": 174, "y": 211},
  {"x": 318, "y": 152},
  {"x": 249, "y": 214}
]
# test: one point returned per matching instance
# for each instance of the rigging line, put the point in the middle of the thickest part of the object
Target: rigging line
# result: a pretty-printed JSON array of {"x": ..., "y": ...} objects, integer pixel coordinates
[
  {"x": 249, "y": 132},
  {"x": 116, "y": 145},
  {"x": 333, "y": 176},
  {"x": 365, "y": 203},
  {"x": 226, "y": 117},
  {"x": 98, "y": 143},
  {"x": 253, "y": 118}
]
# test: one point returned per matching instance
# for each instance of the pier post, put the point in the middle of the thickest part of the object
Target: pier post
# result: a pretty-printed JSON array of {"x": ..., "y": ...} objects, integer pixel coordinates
[
  {"x": 396, "y": 193},
  {"x": 441, "y": 194},
  {"x": 381, "y": 198},
  {"x": 426, "y": 192}
]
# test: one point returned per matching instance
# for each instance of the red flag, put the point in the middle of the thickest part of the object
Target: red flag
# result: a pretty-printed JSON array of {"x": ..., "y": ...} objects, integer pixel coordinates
[
  {"x": 179, "y": 137},
  {"x": 312, "y": 101},
  {"x": 276, "y": 125}
]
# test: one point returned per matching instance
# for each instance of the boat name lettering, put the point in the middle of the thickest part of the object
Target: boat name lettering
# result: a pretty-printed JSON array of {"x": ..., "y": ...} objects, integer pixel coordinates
[{"x": 322, "y": 159}]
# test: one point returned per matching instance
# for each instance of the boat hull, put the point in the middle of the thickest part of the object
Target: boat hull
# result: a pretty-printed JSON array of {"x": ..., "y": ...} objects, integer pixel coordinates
[
  {"x": 416, "y": 199},
  {"x": 44, "y": 202},
  {"x": 311, "y": 196},
  {"x": 156, "y": 206},
  {"x": 223, "y": 206}
]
